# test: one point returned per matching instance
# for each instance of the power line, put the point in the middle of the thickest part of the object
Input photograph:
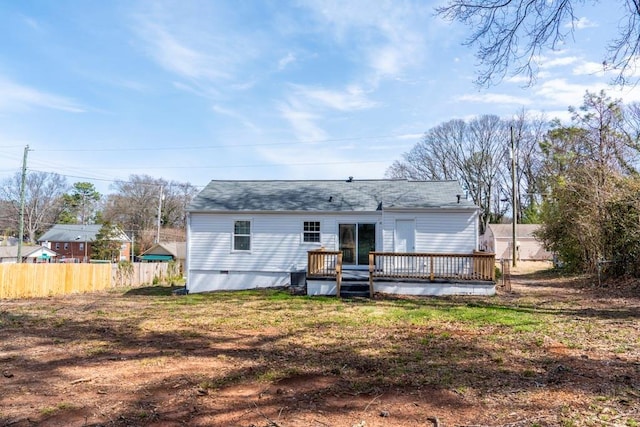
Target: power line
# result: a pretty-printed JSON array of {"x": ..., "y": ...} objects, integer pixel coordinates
[
  {"x": 213, "y": 147},
  {"x": 264, "y": 165},
  {"x": 208, "y": 167}
]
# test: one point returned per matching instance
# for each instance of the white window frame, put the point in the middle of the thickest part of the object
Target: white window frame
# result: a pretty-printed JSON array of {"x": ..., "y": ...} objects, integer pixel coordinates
[
  {"x": 234, "y": 235},
  {"x": 306, "y": 232}
]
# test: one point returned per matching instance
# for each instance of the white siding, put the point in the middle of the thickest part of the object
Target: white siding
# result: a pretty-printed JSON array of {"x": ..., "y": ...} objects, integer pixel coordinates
[
  {"x": 203, "y": 281},
  {"x": 529, "y": 249},
  {"x": 436, "y": 231},
  {"x": 277, "y": 248},
  {"x": 276, "y": 242}
]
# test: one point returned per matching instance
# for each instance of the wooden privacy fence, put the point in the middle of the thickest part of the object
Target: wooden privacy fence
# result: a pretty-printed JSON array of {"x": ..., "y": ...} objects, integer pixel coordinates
[{"x": 41, "y": 280}]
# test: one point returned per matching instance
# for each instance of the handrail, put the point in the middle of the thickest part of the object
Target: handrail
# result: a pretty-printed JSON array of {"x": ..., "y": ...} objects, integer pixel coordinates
[
  {"x": 432, "y": 266},
  {"x": 325, "y": 264}
]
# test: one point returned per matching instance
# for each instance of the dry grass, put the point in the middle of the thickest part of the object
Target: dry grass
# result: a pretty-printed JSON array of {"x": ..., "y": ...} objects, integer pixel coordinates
[{"x": 556, "y": 351}]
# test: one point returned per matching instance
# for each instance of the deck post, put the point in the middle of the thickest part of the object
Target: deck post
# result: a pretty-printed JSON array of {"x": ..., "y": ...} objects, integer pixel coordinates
[
  {"x": 371, "y": 268},
  {"x": 338, "y": 273},
  {"x": 431, "y": 276}
]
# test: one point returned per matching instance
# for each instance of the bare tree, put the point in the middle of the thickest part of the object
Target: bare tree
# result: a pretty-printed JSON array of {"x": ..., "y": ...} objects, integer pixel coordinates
[
  {"x": 177, "y": 196},
  {"x": 43, "y": 200},
  {"x": 134, "y": 206},
  {"x": 510, "y": 34},
  {"x": 471, "y": 152},
  {"x": 528, "y": 131}
]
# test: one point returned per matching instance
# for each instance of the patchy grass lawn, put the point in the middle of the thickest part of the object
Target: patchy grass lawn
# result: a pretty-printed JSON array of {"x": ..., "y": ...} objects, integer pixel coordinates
[{"x": 555, "y": 352}]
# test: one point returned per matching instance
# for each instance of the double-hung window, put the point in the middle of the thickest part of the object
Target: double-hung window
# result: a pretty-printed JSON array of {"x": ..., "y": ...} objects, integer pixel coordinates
[
  {"x": 311, "y": 231},
  {"x": 242, "y": 235}
]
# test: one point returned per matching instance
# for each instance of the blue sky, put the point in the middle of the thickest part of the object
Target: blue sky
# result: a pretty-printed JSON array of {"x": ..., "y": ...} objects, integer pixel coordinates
[{"x": 247, "y": 89}]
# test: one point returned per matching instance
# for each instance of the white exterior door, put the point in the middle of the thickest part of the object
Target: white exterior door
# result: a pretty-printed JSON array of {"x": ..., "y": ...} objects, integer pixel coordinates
[
  {"x": 405, "y": 242},
  {"x": 405, "y": 239}
]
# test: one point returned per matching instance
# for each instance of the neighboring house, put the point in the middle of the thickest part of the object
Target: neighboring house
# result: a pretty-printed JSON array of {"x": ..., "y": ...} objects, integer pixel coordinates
[
  {"x": 251, "y": 234},
  {"x": 74, "y": 241},
  {"x": 166, "y": 251},
  {"x": 29, "y": 254},
  {"x": 498, "y": 238}
]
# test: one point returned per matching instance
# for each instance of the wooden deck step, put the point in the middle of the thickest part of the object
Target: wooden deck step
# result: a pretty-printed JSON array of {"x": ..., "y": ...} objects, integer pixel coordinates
[{"x": 353, "y": 289}]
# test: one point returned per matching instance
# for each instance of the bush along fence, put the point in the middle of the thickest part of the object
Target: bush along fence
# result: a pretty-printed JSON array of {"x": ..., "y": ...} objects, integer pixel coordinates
[{"x": 42, "y": 280}]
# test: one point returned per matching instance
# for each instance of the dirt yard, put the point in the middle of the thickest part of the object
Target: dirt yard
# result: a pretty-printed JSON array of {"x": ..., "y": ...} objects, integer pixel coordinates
[{"x": 554, "y": 352}]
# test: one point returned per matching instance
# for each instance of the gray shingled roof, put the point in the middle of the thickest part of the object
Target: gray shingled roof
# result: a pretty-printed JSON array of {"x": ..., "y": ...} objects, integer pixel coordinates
[
  {"x": 25, "y": 251},
  {"x": 177, "y": 249},
  {"x": 73, "y": 232},
  {"x": 506, "y": 230},
  {"x": 328, "y": 196}
]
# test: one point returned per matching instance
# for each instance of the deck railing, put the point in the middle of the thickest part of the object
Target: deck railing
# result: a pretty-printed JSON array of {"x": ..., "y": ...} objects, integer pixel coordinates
[
  {"x": 325, "y": 264},
  {"x": 407, "y": 266},
  {"x": 432, "y": 266}
]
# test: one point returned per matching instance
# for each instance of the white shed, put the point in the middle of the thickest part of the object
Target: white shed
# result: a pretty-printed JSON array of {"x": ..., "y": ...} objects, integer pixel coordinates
[
  {"x": 498, "y": 239},
  {"x": 253, "y": 234},
  {"x": 29, "y": 254}
]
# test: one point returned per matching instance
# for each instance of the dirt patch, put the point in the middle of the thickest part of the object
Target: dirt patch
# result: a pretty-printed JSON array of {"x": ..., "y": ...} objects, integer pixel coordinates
[{"x": 555, "y": 351}]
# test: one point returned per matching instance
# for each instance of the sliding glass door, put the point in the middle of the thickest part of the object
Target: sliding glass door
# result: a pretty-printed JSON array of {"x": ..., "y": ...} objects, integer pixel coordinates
[{"x": 356, "y": 241}]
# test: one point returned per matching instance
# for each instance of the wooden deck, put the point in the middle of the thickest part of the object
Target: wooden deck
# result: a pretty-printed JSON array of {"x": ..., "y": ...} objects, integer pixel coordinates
[{"x": 426, "y": 268}]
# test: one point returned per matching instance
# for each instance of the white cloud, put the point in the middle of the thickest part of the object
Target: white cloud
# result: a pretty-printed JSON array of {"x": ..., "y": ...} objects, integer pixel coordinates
[
  {"x": 352, "y": 98},
  {"x": 32, "y": 23},
  {"x": 589, "y": 68},
  {"x": 559, "y": 93},
  {"x": 390, "y": 35},
  {"x": 518, "y": 79},
  {"x": 290, "y": 58},
  {"x": 197, "y": 41},
  {"x": 545, "y": 62},
  {"x": 235, "y": 115},
  {"x": 411, "y": 136},
  {"x": 178, "y": 57},
  {"x": 302, "y": 121},
  {"x": 581, "y": 23},
  {"x": 495, "y": 98},
  {"x": 14, "y": 96}
]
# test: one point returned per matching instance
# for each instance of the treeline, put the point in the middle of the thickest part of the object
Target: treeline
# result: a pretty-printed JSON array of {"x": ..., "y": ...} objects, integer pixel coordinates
[
  {"x": 133, "y": 206},
  {"x": 579, "y": 180}
]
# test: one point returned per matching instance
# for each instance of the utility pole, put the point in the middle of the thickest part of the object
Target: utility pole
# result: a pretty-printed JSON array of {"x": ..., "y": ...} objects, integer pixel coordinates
[
  {"x": 22, "y": 191},
  {"x": 514, "y": 247},
  {"x": 159, "y": 214}
]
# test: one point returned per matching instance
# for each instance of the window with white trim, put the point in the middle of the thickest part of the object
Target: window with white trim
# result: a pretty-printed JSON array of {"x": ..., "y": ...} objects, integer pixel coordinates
[
  {"x": 311, "y": 232},
  {"x": 242, "y": 235}
]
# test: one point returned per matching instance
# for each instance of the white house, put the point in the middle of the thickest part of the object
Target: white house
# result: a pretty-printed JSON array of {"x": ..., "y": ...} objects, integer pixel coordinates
[
  {"x": 166, "y": 251},
  {"x": 253, "y": 234},
  {"x": 498, "y": 238},
  {"x": 29, "y": 254}
]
